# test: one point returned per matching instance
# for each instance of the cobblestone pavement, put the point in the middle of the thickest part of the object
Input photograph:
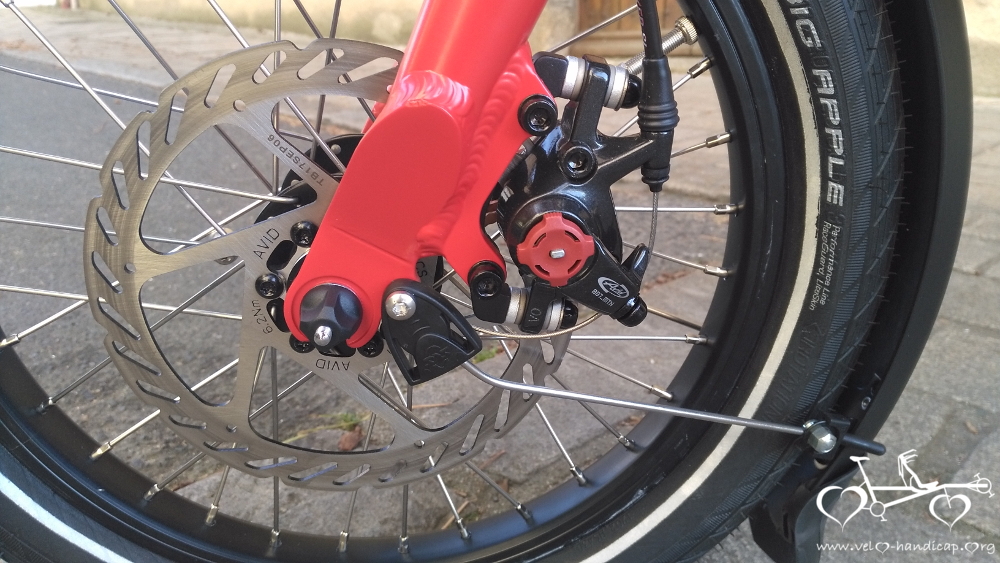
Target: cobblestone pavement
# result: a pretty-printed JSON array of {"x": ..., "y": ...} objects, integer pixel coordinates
[{"x": 950, "y": 413}]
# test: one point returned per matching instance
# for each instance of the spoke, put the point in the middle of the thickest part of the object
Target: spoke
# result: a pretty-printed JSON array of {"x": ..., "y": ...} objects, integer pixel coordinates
[
  {"x": 275, "y": 528},
  {"x": 157, "y": 487},
  {"x": 82, "y": 297},
  {"x": 687, "y": 339},
  {"x": 710, "y": 270},
  {"x": 658, "y": 391},
  {"x": 187, "y": 465},
  {"x": 622, "y": 439},
  {"x": 167, "y": 318},
  {"x": 462, "y": 530},
  {"x": 114, "y": 117},
  {"x": 166, "y": 66},
  {"x": 721, "y": 209},
  {"x": 108, "y": 93},
  {"x": 693, "y": 72},
  {"x": 329, "y": 58},
  {"x": 165, "y": 179},
  {"x": 18, "y": 336},
  {"x": 75, "y": 229},
  {"x": 457, "y": 300},
  {"x": 596, "y": 28},
  {"x": 580, "y": 478},
  {"x": 107, "y": 446},
  {"x": 295, "y": 108},
  {"x": 346, "y": 532},
  {"x": 404, "y": 536},
  {"x": 674, "y": 318},
  {"x": 520, "y": 508},
  {"x": 713, "y": 141},
  {"x": 213, "y": 510}
]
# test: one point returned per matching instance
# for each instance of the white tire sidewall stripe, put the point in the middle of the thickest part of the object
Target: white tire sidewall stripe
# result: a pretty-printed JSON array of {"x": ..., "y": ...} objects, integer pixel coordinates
[{"x": 787, "y": 329}]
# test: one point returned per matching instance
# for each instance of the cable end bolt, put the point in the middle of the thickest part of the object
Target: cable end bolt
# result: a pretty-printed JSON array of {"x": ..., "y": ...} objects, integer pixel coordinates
[
  {"x": 105, "y": 448},
  {"x": 819, "y": 437}
]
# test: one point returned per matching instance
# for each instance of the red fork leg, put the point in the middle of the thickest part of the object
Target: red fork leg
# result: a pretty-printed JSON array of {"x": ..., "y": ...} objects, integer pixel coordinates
[{"x": 419, "y": 178}]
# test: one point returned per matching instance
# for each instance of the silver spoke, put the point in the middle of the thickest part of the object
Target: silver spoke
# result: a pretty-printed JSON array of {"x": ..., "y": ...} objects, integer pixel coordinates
[
  {"x": 166, "y": 66},
  {"x": 82, "y": 297},
  {"x": 688, "y": 339},
  {"x": 18, "y": 336},
  {"x": 674, "y": 318},
  {"x": 658, "y": 391},
  {"x": 713, "y": 141},
  {"x": 329, "y": 57},
  {"x": 721, "y": 209},
  {"x": 462, "y": 530},
  {"x": 693, "y": 72},
  {"x": 520, "y": 508},
  {"x": 710, "y": 270},
  {"x": 75, "y": 229},
  {"x": 594, "y": 29},
  {"x": 573, "y": 468},
  {"x": 160, "y": 485},
  {"x": 622, "y": 439},
  {"x": 165, "y": 179},
  {"x": 346, "y": 532},
  {"x": 66, "y": 83},
  {"x": 167, "y": 318},
  {"x": 213, "y": 509},
  {"x": 295, "y": 108},
  {"x": 107, "y": 446},
  {"x": 114, "y": 117}
]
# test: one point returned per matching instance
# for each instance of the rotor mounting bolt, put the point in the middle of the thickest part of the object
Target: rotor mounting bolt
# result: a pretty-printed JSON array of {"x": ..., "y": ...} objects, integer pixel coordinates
[
  {"x": 269, "y": 285},
  {"x": 400, "y": 305},
  {"x": 303, "y": 233},
  {"x": 323, "y": 335},
  {"x": 300, "y": 346},
  {"x": 538, "y": 114},
  {"x": 819, "y": 437}
]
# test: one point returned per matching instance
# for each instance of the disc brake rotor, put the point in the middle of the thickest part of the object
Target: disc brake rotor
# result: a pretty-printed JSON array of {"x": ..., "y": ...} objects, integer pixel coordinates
[{"x": 119, "y": 262}]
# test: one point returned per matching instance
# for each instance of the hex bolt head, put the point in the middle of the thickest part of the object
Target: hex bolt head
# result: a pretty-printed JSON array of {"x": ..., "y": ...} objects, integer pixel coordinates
[
  {"x": 304, "y": 233},
  {"x": 578, "y": 162},
  {"x": 538, "y": 115},
  {"x": 819, "y": 437},
  {"x": 269, "y": 285},
  {"x": 487, "y": 286},
  {"x": 400, "y": 305},
  {"x": 322, "y": 336}
]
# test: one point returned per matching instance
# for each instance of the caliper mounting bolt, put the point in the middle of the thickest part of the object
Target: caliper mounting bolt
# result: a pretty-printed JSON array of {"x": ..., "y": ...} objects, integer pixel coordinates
[{"x": 538, "y": 114}]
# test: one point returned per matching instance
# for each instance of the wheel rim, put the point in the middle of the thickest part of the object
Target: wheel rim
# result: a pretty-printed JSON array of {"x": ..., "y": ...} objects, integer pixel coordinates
[{"x": 550, "y": 510}]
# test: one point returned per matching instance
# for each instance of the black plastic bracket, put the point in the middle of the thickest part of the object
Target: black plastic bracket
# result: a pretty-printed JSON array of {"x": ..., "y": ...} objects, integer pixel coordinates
[{"x": 787, "y": 524}]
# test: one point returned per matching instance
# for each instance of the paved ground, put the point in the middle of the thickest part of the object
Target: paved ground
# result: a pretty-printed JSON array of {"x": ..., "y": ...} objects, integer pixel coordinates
[{"x": 950, "y": 413}]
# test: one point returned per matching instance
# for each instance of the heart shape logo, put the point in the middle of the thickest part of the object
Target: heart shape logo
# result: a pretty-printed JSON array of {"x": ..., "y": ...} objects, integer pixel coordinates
[
  {"x": 972, "y": 547},
  {"x": 948, "y": 500},
  {"x": 862, "y": 498},
  {"x": 882, "y": 547}
]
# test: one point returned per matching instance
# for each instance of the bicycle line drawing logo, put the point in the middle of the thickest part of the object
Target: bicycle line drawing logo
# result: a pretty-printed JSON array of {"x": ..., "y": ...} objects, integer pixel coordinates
[{"x": 914, "y": 486}]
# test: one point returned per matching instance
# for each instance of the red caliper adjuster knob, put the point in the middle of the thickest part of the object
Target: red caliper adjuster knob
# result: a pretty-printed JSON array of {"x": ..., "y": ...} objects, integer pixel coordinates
[{"x": 556, "y": 249}]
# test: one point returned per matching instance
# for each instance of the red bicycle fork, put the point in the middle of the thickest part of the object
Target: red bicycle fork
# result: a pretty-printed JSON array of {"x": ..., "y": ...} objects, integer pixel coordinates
[{"x": 418, "y": 180}]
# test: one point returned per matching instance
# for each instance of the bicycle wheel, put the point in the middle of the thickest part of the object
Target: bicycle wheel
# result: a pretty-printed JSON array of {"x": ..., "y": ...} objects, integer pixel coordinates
[{"x": 811, "y": 100}]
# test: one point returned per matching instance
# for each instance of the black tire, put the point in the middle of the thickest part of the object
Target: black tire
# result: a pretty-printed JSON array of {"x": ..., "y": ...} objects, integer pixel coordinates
[{"x": 811, "y": 247}]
